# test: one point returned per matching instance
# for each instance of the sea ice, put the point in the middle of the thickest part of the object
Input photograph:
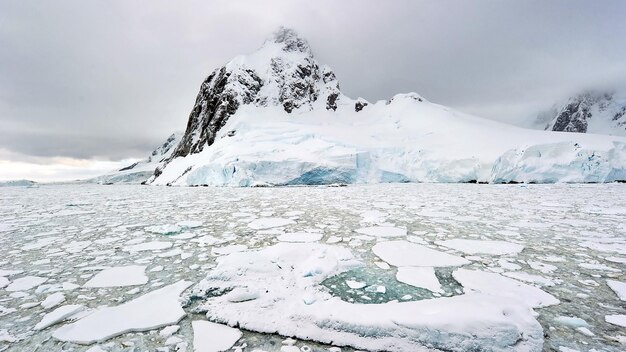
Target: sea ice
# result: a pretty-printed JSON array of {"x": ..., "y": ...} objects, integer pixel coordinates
[
  {"x": 266, "y": 223},
  {"x": 382, "y": 231},
  {"x": 57, "y": 315},
  {"x": 355, "y": 284},
  {"x": 403, "y": 253},
  {"x": 482, "y": 246},
  {"x": 423, "y": 277},
  {"x": 148, "y": 246},
  {"x": 150, "y": 311},
  {"x": 300, "y": 237},
  {"x": 295, "y": 270},
  {"x": 26, "y": 283},
  {"x": 119, "y": 276},
  {"x": 618, "y": 287},
  {"x": 617, "y": 319},
  {"x": 164, "y": 229},
  {"x": 498, "y": 285},
  {"x": 53, "y": 300},
  {"x": 212, "y": 337}
]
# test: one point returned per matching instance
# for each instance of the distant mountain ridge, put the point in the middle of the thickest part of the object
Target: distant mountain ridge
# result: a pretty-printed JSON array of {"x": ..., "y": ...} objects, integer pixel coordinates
[
  {"x": 141, "y": 170},
  {"x": 593, "y": 111}
]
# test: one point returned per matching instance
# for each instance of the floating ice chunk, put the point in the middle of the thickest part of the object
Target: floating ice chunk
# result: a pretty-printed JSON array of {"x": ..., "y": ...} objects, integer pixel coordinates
[
  {"x": 212, "y": 337},
  {"x": 5, "y": 336},
  {"x": 300, "y": 237},
  {"x": 119, "y": 276},
  {"x": 148, "y": 246},
  {"x": 4, "y": 272},
  {"x": 617, "y": 319},
  {"x": 164, "y": 229},
  {"x": 585, "y": 331},
  {"x": 266, "y": 223},
  {"x": 355, "y": 284},
  {"x": 57, "y": 315},
  {"x": 535, "y": 279},
  {"x": 333, "y": 239},
  {"x": 598, "y": 266},
  {"x": 403, "y": 253},
  {"x": 423, "y": 277},
  {"x": 4, "y": 282},
  {"x": 382, "y": 265},
  {"x": 228, "y": 249},
  {"x": 183, "y": 236},
  {"x": 498, "y": 285},
  {"x": 53, "y": 300},
  {"x": 382, "y": 231},
  {"x": 169, "y": 330},
  {"x": 574, "y": 322},
  {"x": 26, "y": 283},
  {"x": 150, "y": 311},
  {"x": 543, "y": 267},
  {"x": 482, "y": 246},
  {"x": 620, "y": 260},
  {"x": 504, "y": 264},
  {"x": 618, "y": 287},
  {"x": 189, "y": 224}
]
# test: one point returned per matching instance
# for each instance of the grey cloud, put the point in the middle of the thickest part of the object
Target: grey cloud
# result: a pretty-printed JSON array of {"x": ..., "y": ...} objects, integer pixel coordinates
[{"x": 112, "y": 79}]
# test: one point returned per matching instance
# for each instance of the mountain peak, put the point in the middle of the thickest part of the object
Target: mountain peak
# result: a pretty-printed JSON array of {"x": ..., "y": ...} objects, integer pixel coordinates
[{"x": 290, "y": 40}]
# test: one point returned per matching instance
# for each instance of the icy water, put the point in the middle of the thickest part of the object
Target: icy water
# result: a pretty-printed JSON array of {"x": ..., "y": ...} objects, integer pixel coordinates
[{"x": 574, "y": 239}]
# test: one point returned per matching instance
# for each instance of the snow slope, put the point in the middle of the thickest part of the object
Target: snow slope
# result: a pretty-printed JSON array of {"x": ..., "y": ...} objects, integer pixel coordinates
[
  {"x": 276, "y": 117},
  {"x": 143, "y": 169}
]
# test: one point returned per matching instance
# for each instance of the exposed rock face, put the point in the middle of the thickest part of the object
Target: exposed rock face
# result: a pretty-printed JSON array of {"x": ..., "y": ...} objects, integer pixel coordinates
[
  {"x": 281, "y": 73},
  {"x": 589, "y": 112}
]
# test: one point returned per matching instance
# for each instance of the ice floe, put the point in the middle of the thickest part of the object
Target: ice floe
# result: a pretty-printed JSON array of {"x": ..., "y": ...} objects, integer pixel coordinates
[
  {"x": 403, "y": 253},
  {"x": 150, "y": 311},
  {"x": 498, "y": 285},
  {"x": 423, "y": 277},
  {"x": 382, "y": 231},
  {"x": 59, "y": 314},
  {"x": 300, "y": 237},
  {"x": 212, "y": 337},
  {"x": 130, "y": 275},
  {"x": 482, "y": 246},
  {"x": 26, "y": 283},
  {"x": 618, "y": 287},
  {"x": 266, "y": 223}
]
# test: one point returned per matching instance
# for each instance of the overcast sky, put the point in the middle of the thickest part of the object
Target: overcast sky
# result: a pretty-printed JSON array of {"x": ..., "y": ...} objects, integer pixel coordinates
[{"x": 87, "y": 85}]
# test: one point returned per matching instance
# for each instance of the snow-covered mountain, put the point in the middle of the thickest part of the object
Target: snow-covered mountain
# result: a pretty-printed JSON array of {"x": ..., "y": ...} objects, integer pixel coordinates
[
  {"x": 588, "y": 112},
  {"x": 140, "y": 171},
  {"x": 277, "y": 116}
]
